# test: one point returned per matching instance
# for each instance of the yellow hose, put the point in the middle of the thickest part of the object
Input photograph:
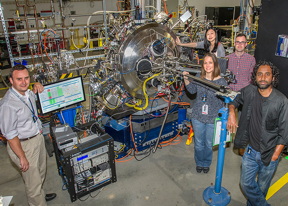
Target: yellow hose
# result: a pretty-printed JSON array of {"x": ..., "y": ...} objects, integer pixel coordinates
[{"x": 145, "y": 94}]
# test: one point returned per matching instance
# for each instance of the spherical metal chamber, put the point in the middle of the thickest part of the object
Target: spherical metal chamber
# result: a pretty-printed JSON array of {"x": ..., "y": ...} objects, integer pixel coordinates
[{"x": 150, "y": 42}]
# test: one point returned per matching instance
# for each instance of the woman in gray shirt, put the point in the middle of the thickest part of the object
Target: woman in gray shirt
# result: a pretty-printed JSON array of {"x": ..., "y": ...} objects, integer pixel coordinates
[
  {"x": 210, "y": 43},
  {"x": 204, "y": 111}
]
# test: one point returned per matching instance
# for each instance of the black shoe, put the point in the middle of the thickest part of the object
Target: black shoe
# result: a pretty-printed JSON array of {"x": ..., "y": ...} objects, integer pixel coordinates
[
  {"x": 206, "y": 169},
  {"x": 50, "y": 196},
  {"x": 199, "y": 169}
]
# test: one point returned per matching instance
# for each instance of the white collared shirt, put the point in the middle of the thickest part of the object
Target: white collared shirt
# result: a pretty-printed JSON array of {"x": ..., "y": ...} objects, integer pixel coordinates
[{"x": 16, "y": 117}]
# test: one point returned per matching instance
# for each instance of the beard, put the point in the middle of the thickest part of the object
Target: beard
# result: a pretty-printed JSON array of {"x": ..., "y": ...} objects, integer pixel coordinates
[{"x": 263, "y": 86}]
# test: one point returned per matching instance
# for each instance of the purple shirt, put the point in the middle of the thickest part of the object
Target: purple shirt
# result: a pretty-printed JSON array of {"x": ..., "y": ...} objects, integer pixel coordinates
[{"x": 242, "y": 68}]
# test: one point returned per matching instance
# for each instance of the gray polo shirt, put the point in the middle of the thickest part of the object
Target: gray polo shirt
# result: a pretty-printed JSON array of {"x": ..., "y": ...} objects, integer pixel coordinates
[{"x": 16, "y": 117}]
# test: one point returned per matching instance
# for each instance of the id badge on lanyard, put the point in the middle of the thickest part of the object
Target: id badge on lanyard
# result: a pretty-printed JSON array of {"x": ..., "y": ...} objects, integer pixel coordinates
[
  {"x": 205, "y": 109},
  {"x": 205, "y": 106}
]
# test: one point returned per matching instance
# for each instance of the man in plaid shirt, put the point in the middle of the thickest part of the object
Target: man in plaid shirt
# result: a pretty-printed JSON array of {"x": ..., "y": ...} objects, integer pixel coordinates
[{"x": 241, "y": 63}]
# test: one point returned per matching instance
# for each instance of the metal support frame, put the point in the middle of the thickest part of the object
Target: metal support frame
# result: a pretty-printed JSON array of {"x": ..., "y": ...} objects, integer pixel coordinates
[
  {"x": 20, "y": 58},
  {"x": 105, "y": 21},
  {"x": 6, "y": 35},
  {"x": 217, "y": 195}
]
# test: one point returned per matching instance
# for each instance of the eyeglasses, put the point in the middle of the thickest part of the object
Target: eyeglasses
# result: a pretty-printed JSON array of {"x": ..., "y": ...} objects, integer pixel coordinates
[{"x": 240, "y": 42}]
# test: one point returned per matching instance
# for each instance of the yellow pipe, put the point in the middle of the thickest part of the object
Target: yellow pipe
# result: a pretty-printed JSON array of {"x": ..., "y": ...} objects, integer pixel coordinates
[{"x": 145, "y": 94}]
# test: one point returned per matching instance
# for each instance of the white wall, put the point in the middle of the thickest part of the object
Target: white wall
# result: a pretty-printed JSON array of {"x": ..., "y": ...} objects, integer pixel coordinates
[
  {"x": 87, "y": 7},
  {"x": 201, "y": 4}
]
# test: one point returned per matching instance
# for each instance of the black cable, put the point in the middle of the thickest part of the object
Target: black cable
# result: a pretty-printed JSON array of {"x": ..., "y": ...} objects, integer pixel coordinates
[
  {"x": 97, "y": 193},
  {"x": 205, "y": 86},
  {"x": 121, "y": 112},
  {"x": 83, "y": 199},
  {"x": 82, "y": 130},
  {"x": 65, "y": 182},
  {"x": 88, "y": 70},
  {"x": 148, "y": 154}
]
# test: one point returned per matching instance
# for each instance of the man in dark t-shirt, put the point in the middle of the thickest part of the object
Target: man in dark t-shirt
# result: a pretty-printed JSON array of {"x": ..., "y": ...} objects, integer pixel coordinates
[{"x": 262, "y": 131}]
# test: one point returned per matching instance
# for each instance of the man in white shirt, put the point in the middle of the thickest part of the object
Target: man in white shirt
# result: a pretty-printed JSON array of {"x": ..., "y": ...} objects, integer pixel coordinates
[{"x": 22, "y": 129}]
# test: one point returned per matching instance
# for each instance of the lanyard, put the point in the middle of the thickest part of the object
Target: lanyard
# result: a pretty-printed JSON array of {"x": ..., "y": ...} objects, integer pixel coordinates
[{"x": 30, "y": 108}]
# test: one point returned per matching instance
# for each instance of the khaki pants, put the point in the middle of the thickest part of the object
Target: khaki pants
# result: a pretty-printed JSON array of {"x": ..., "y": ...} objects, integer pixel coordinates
[{"x": 34, "y": 177}]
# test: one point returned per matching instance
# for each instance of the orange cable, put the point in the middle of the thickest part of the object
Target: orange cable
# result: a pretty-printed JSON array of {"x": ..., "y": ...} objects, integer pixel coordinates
[
  {"x": 173, "y": 139},
  {"x": 50, "y": 137},
  {"x": 129, "y": 152},
  {"x": 180, "y": 103},
  {"x": 121, "y": 159},
  {"x": 165, "y": 6},
  {"x": 83, "y": 121},
  {"x": 125, "y": 160}
]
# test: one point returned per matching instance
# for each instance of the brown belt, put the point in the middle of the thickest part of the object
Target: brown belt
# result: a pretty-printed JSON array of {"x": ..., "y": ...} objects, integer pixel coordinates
[{"x": 28, "y": 138}]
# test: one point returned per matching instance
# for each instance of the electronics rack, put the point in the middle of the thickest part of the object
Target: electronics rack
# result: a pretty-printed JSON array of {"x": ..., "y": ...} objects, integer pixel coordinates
[{"x": 87, "y": 167}]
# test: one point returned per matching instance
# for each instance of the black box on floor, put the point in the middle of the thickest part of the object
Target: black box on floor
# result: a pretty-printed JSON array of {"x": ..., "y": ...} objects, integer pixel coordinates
[{"x": 89, "y": 166}]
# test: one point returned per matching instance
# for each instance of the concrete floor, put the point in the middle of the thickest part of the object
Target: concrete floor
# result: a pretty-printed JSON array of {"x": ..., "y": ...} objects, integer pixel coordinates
[{"x": 167, "y": 177}]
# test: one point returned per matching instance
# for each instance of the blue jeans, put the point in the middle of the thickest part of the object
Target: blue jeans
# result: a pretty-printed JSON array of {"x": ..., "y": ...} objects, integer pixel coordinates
[
  {"x": 203, "y": 136},
  {"x": 252, "y": 168}
]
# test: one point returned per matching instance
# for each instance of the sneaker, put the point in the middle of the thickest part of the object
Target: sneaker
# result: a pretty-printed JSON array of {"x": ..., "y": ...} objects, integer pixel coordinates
[
  {"x": 206, "y": 169},
  {"x": 50, "y": 196},
  {"x": 199, "y": 169}
]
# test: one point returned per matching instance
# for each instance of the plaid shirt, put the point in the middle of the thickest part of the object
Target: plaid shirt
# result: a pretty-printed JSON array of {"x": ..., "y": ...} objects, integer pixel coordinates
[{"x": 242, "y": 68}]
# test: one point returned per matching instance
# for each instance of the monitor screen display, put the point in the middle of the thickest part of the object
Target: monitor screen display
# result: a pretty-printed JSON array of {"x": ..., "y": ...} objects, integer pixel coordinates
[{"x": 61, "y": 94}]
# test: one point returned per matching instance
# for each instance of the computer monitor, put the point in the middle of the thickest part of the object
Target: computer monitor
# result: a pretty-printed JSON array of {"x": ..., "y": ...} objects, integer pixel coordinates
[{"x": 61, "y": 94}]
